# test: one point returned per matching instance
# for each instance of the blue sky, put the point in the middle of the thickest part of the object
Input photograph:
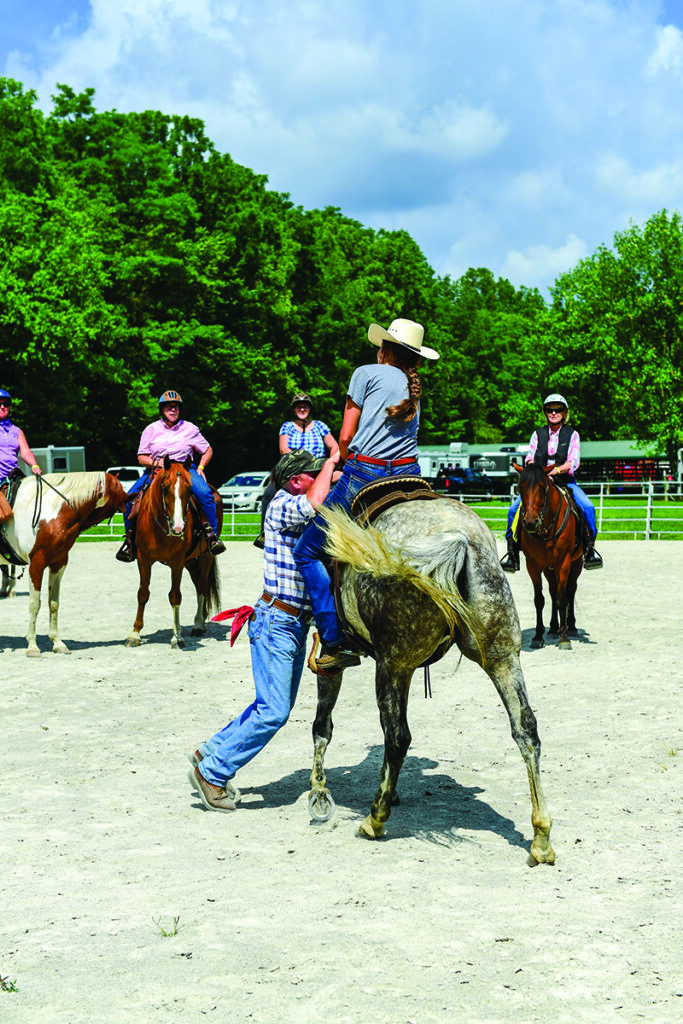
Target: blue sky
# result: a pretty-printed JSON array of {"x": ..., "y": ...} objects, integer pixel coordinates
[{"x": 518, "y": 135}]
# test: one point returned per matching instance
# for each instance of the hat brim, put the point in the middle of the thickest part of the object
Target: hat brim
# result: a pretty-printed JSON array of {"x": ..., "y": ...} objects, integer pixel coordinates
[{"x": 377, "y": 335}]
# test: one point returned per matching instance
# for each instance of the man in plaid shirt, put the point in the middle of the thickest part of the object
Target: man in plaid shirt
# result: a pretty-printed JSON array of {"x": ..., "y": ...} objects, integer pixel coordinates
[{"x": 277, "y": 633}]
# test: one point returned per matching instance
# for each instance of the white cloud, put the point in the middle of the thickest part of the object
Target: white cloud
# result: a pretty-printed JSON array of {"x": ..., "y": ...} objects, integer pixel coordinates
[
  {"x": 658, "y": 185},
  {"x": 543, "y": 263},
  {"x": 668, "y": 54}
]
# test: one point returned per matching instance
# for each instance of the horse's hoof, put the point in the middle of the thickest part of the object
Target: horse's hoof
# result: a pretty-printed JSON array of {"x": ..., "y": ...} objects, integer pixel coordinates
[
  {"x": 33, "y": 652},
  {"x": 565, "y": 645},
  {"x": 198, "y": 632},
  {"x": 321, "y": 806},
  {"x": 536, "y": 644},
  {"x": 371, "y": 829},
  {"x": 60, "y": 649},
  {"x": 133, "y": 641},
  {"x": 541, "y": 853},
  {"x": 177, "y": 644}
]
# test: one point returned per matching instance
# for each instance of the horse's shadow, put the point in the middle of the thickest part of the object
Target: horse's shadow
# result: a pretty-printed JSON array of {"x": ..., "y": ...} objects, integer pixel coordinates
[
  {"x": 579, "y": 636},
  {"x": 432, "y": 807}
]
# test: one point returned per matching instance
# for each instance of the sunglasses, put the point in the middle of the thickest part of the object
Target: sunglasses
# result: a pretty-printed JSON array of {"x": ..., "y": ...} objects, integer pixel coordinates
[
  {"x": 561, "y": 410},
  {"x": 4, "y": 403}
]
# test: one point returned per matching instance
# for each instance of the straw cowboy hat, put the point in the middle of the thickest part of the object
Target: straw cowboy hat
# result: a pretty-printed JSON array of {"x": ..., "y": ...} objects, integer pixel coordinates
[{"x": 403, "y": 332}]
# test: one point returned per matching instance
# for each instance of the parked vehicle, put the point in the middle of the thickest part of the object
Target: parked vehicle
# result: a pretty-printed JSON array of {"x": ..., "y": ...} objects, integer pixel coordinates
[
  {"x": 245, "y": 490},
  {"x": 126, "y": 474},
  {"x": 467, "y": 481}
]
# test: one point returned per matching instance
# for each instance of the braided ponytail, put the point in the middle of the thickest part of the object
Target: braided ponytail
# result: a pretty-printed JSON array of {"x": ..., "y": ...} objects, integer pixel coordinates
[{"x": 403, "y": 359}]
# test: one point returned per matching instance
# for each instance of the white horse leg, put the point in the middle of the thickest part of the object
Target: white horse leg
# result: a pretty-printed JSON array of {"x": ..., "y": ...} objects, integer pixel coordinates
[
  {"x": 508, "y": 679},
  {"x": 55, "y": 582},
  {"x": 33, "y": 609},
  {"x": 8, "y": 581},
  {"x": 175, "y": 597}
]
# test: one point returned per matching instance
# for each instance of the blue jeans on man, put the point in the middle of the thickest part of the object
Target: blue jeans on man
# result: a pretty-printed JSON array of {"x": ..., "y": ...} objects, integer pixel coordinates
[
  {"x": 584, "y": 503},
  {"x": 309, "y": 549},
  {"x": 278, "y": 651},
  {"x": 200, "y": 489}
]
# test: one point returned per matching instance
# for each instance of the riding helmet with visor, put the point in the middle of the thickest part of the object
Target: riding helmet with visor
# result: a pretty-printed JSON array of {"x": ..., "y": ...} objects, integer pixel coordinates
[
  {"x": 5, "y": 394},
  {"x": 301, "y": 398},
  {"x": 555, "y": 399},
  {"x": 170, "y": 396}
]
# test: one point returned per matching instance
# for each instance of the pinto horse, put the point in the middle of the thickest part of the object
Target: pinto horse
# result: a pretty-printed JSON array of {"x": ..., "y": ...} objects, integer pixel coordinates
[
  {"x": 49, "y": 514},
  {"x": 425, "y": 575},
  {"x": 553, "y": 547},
  {"x": 168, "y": 529}
]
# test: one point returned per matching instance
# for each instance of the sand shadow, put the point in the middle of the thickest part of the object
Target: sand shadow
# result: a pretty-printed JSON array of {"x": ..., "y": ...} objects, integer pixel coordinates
[
  {"x": 432, "y": 806},
  {"x": 580, "y": 636}
]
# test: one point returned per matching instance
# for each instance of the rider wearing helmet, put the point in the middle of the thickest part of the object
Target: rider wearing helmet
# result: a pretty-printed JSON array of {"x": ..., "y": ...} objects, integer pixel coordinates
[
  {"x": 558, "y": 445},
  {"x": 303, "y": 432},
  {"x": 178, "y": 438},
  {"x": 13, "y": 443}
]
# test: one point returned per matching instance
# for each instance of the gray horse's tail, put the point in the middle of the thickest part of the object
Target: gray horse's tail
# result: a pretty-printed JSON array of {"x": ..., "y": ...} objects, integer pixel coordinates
[{"x": 431, "y": 564}]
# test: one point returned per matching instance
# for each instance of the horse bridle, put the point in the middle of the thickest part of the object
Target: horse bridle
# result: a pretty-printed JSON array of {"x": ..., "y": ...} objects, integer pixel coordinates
[
  {"x": 170, "y": 532},
  {"x": 546, "y": 533}
]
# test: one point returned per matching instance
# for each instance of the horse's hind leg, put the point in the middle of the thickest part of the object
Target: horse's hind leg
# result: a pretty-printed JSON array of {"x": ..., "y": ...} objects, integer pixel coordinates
[
  {"x": 392, "y": 700},
  {"x": 9, "y": 580},
  {"x": 539, "y": 601},
  {"x": 320, "y": 803},
  {"x": 55, "y": 582},
  {"x": 509, "y": 681}
]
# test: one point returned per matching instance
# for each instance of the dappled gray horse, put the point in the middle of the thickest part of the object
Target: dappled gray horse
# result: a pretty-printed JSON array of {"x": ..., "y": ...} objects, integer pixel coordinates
[{"x": 426, "y": 571}]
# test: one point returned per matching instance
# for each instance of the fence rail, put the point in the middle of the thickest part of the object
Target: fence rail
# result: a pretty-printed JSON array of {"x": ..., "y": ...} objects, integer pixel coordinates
[{"x": 651, "y": 510}]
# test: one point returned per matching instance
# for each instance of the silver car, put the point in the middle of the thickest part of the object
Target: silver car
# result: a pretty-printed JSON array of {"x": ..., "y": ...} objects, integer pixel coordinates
[{"x": 245, "y": 490}]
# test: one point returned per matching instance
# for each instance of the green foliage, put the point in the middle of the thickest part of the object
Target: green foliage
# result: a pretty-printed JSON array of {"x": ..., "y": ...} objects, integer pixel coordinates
[{"x": 135, "y": 257}]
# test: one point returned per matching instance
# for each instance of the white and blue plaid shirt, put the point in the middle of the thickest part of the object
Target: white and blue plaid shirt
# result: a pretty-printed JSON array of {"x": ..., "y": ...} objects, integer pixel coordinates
[{"x": 286, "y": 519}]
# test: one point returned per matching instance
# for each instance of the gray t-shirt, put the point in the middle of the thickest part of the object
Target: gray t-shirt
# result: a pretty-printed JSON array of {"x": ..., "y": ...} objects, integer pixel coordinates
[{"x": 374, "y": 388}]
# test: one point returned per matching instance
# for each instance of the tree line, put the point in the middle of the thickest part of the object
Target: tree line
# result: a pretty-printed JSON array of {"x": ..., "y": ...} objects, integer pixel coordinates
[{"x": 135, "y": 257}]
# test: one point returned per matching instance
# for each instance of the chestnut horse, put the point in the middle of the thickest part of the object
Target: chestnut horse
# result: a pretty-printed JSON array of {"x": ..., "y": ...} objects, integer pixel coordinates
[
  {"x": 49, "y": 514},
  {"x": 168, "y": 529},
  {"x": 425, "y": 575},
  {"x": 553, "y": 547}
]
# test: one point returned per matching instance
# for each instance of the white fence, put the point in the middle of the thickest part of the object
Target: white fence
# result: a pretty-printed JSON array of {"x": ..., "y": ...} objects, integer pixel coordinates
[{"x": 652, "y": 510}]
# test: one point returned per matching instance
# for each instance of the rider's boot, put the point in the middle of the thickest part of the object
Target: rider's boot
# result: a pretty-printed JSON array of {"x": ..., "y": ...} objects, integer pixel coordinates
[
  {"x": 510, "y": 562},
  {"x": 591, "y": 558},
  {"x": 216, "y": 546},
  {"x": 126, "y": 552}
]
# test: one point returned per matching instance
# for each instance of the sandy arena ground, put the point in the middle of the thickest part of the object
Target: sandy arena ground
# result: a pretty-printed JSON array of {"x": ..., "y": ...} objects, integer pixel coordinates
[{"x": 106, "y": 851}]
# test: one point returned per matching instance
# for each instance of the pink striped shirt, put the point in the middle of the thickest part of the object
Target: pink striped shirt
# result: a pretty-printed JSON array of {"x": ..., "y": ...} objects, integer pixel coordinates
[
  {"x": 178, "y": 441},
  {"x": 573, "y": 453}
]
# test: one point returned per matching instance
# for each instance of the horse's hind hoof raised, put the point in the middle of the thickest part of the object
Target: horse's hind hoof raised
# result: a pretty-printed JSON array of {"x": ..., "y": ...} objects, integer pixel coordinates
[{"x": 321, "y": 806}]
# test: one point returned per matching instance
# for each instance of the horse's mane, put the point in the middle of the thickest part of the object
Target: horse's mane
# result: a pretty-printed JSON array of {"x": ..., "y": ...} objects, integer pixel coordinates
[
  {"x": 533, "y": 473},
  {"x": 79, "y": 488},
  {"x": 427, "y": 563}
]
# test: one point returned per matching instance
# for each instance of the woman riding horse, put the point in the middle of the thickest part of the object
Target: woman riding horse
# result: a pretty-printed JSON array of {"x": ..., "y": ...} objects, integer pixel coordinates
[
  {"x": 170, "y": 435},
  {"x": 557, "y": 445},
  {"x": 378, "y": 438},
  {"x": 13, "y": 442}
]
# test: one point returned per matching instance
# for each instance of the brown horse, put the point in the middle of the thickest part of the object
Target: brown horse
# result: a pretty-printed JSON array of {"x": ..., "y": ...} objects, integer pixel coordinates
[
  {"x": 553, "y": 547},
  {"x": 49, "y": 514},
  {"x": 168, "y": 530}
]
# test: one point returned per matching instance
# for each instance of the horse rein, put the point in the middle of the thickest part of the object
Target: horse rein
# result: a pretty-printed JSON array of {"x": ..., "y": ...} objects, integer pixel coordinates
[{"x": 38, "y": 503}]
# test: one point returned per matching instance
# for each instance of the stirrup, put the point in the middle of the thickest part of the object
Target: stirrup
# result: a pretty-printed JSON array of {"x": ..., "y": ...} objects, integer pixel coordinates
[
  {"x": 509, "y": 562},
  {"x": 126, "y": 552}
]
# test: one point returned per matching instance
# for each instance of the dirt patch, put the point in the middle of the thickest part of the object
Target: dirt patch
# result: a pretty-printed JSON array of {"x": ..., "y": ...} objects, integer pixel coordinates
[{"x": 104, "y": 846}]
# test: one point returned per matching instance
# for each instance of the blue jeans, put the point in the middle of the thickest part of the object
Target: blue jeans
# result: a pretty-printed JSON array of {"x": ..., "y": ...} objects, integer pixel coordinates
[
  {"x": 278, "y": 651},
  {"x": 308, "y": 551},
  {"x": 584, "y": 503},
  {"x": 200, "y": 489}
]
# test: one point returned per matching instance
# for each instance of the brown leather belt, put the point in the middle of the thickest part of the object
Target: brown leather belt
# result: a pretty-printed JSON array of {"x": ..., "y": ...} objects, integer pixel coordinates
[
  {"x": 380, "y": 462},
  {"x": 282, "y": 606}
]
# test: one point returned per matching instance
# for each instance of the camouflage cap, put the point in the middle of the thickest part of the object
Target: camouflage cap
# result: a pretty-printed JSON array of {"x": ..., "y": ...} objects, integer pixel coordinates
[{"x": 292, "y": 463}]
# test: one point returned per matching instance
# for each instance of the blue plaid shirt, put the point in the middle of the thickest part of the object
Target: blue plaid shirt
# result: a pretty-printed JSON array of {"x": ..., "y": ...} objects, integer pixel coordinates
[{"x": 286, "y": 519}]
